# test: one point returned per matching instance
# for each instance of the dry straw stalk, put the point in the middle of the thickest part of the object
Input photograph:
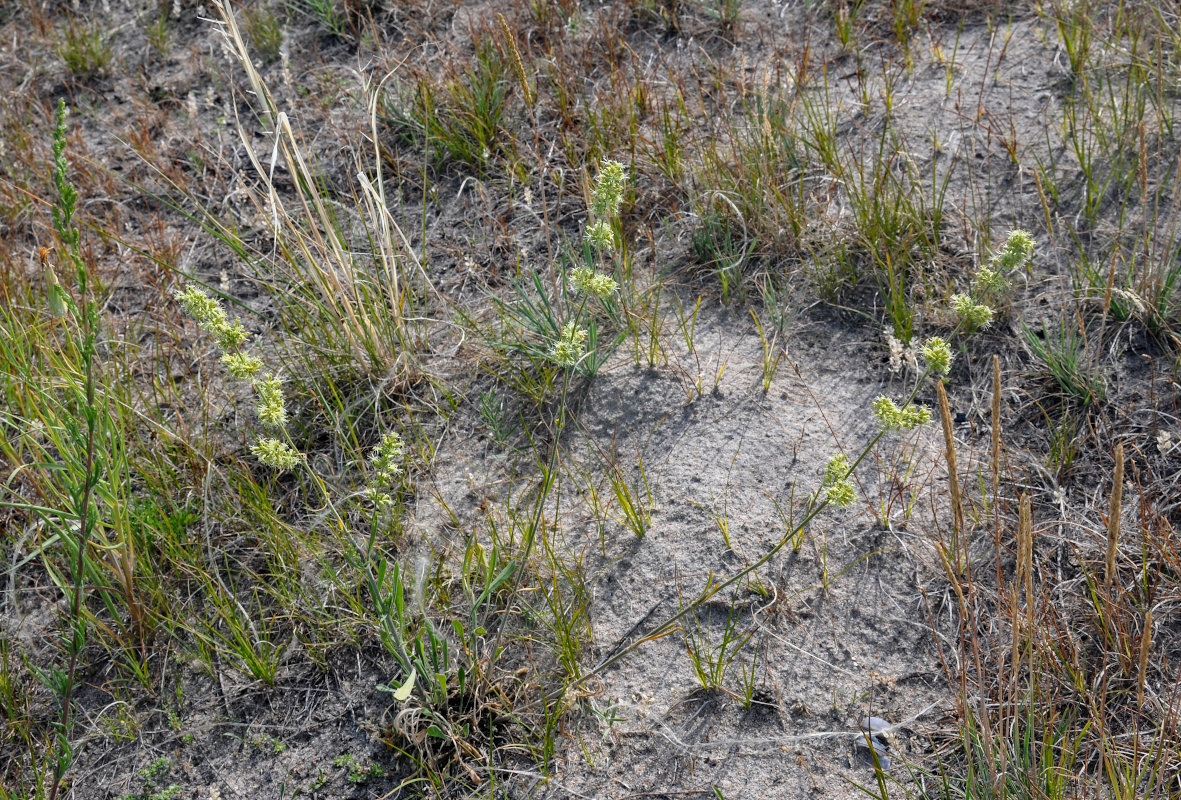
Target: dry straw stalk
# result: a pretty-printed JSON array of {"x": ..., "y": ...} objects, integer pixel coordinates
[
  {"x": 1113, "y": 515},
  {"x": 952, "y": 480}
]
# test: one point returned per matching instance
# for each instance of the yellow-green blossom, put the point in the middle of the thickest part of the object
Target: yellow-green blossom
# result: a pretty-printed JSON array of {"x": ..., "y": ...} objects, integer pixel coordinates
[
  {"x": 600, "y": 236},
  {"x": 607, "y": 192},
  {"x": 840, "y": 493},
  {"x": 587, "y": 281},
  {"x": 1015, "y": 253},
  {"x": 838, "y": 489},
  {"x": 386, "y": 458},
  {"x": 200, "y": 306},
  {"x": 212, "y": 317},
  {"x": 277, "y": 454},
  {"x": 893, "y": 417},
  {"x": 241, "y": 365},
  {"x": 568, "y": 348},
  {"x": 231, "y": 336},
  {"x": 270, "y": 408},
  {"x": 937, "y": 353},
  {"x": 376, "y": 497},
  {"x": 974, "y": 315},
  {"x": 837, "y": 469},
  {"x": 991, "y": 282}
]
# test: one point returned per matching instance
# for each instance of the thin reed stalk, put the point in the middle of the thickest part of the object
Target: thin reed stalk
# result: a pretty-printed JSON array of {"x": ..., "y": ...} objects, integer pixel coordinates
[
  {"x": 1113, "y": 515},
  {"x": 953, "y": 483},
  {"x": 1145, "y": 645}
]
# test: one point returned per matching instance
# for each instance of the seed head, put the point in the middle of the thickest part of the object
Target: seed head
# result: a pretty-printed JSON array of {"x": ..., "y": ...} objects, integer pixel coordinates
[{"x": 515, "y": 60}]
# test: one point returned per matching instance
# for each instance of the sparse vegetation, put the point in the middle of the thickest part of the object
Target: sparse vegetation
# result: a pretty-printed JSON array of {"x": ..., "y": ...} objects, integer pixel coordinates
[
  {"x": 83, "y": 47},
  {"x": 519, "y": 398}
]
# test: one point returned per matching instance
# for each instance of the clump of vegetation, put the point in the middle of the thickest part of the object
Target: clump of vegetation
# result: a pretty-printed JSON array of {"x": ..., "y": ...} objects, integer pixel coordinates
[
  {"x": 83, "y": 47},
  {"x": 264, "y": 28}
]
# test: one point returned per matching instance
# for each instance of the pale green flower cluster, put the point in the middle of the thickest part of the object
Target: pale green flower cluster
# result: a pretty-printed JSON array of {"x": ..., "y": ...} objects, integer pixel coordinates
[
  {"x": 600, "y": 236},
  {"x": 567, "y": 350},
  {"x": 277, "y": 454},
  {"x": 973, "y": 314},
  {"x": 990, "y": 281},
  {"x": 241, "y": 365},
  {"x": 606, "y": 200},
  {"x": 1015, "y": 254},
  {"x": 386, "y": 458},
  {"x": 271, "y": 409},
  {"x": 386, "y": 462},
  {"x": 937, "y": 353},
  {"x": 607, "y": 192},
  {"x": 375, "y": 497},
  {"x": 974, "y": 311},
  {"x": 212, "y": 317},
  {"x": 895, "y": 418},
  {"x": 587, "y": 281},
  {"x": 838, "y": 489}
]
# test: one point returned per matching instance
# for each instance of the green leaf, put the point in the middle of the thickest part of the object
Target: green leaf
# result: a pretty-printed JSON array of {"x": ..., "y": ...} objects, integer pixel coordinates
[{"x": 403, "y": 692}]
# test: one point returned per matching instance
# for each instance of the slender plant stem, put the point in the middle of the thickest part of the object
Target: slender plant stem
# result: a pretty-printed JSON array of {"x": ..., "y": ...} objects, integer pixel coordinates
[
  {"x": 85, "y": 528},
  {"x": 542, "y": 493},
  {"x": 547, "y": 478}
]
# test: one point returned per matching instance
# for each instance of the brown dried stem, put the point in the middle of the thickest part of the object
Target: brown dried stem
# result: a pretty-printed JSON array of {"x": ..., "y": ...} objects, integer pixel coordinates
[
  {"x": 1113, "y": 515},
  {"x": 952, "y": 479}
]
